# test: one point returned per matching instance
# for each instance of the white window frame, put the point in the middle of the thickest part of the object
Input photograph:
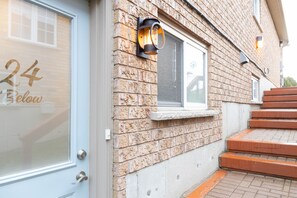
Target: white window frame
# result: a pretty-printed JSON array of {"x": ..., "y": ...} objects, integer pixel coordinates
[
  {"x": 255, "y": 98},
  {"x": 34, "y": 27},
  {"x": 257, "y": 10},
  {"x": 187, "y": 40}
]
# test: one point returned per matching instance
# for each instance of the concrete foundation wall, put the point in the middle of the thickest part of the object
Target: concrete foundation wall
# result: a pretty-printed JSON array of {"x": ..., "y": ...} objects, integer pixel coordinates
[
  {"x": 173, "y": 177},
  {"x": 265, "y": 85}
]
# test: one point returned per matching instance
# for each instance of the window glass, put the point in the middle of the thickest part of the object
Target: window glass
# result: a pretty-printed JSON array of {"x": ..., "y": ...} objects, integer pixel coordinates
[
  {"x": 194, "y": 68},
  {"x": 35, "y": 91},
  {"x": 255, "y": 89},
  {"x": 182, "y": 72},
  {"x": 169, "y": 72}
]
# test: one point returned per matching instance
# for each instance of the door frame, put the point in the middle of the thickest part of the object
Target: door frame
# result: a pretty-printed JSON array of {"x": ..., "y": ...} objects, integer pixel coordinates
[{"x": 100, "y": 164}]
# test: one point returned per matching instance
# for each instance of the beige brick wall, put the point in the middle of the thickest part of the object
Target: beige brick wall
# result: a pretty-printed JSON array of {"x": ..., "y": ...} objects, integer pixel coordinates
[{"x": 140, "y": 142}]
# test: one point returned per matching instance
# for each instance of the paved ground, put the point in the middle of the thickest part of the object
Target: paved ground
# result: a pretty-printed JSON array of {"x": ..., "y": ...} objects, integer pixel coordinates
[{"x": 247, "y": 185}]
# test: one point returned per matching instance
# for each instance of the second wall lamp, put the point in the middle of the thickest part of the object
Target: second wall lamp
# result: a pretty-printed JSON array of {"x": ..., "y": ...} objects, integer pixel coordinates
[{"x": 259, "y": 42}]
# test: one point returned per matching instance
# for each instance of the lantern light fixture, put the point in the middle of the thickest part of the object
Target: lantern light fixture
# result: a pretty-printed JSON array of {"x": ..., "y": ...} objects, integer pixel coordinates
[
  {"x": 259, "y": 42},
  {"x": 150, "y": 37}
]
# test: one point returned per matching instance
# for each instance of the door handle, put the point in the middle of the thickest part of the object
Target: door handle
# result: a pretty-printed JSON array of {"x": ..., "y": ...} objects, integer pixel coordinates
[{"x": 81, "y": 177}]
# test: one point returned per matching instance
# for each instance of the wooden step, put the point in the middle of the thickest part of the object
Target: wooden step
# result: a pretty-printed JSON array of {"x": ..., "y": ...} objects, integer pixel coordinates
[
  {"x": 279, "y": 105},
  {"x": 275, "y": 113},
  {"x": 284, "y": 98},
  {"x": 280, "y": 92},
  {"x": 267, "y": 141},
  {"x": 264, "y": 164},
  {"x": 273, "y": 123}
]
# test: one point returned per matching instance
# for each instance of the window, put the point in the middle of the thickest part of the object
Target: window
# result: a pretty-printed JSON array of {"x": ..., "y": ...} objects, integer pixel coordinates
[
  {"x": 257, "y": 10},
  {"x": 182, "y": 72},
  {"x": 31, "y": 23},
  {"x": 255, "y": 89}
]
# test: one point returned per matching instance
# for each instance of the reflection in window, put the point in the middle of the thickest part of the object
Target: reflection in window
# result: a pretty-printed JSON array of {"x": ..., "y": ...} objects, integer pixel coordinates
[
  {"x": 46, "y": 26},
  {"x": 169, "y": 72},
  {"x": 195, "y": 75},
  {"x": 32, "y": 23},
  {"x": 35, "y": 88},
  {"x": 21, "y": 17}
]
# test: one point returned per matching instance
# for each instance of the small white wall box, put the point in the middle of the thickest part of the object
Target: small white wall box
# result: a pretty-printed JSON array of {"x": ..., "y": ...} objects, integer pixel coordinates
[{"x": 243, "y": 58}]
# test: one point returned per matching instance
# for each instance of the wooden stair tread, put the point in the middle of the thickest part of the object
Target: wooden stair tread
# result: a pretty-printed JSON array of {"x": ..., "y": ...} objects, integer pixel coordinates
[
  {"x": 269, "y": 141},
  {"x": 265, "y": 164},
  {"x": 279, "y": 105},
  {"x": 281, "y": 92},
  {"x": 275, "y": 113},
  {"x": 273, "y": 123},
  {"x": 275, "y": 110},
  {"x": 279, "y": 98},
  {"x": 266, "y": 158},
  {"x": 280, "y": 136},
  {"x": 275, "y": 120}
]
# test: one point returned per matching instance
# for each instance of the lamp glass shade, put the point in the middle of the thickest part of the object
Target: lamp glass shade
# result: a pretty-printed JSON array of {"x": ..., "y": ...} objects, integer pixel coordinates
[
  {"x": 144, "y": 37},
  {"x": 157, "y": 36}
]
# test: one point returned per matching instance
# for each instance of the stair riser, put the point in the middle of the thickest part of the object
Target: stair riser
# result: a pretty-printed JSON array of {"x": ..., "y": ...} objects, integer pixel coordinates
[
  {"x": 273, "y": 125},
  {"x": 259, "y": 166},
  {"x": 279, "y": 98},
  {"x": 262, "y": 147},
  {"x": 278, "y": 115}
]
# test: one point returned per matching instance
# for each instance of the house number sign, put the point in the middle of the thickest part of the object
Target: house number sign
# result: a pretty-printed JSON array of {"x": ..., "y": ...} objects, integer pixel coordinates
[{"x": 12, "y": 95}]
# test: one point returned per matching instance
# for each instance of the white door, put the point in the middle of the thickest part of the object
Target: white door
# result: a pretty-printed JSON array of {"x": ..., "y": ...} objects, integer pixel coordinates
[{"x": 44, "y": 98}]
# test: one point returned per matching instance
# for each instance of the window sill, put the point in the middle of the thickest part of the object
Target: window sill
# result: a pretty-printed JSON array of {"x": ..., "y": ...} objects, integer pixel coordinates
[
  {"x": 182, "y": 114},
  {"x": 256, "y": 103}
]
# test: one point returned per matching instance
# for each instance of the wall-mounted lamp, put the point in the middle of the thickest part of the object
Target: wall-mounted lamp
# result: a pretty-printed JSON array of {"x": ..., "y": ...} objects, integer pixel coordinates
[
  {"x": 281, "y": 44},
  {"x": 150, "y": 37},
  {"x": 259, "y": 42}
]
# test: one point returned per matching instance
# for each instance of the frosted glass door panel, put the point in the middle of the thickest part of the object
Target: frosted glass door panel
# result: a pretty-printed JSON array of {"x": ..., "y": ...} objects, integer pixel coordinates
[{"x": 35, "y": 84}]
